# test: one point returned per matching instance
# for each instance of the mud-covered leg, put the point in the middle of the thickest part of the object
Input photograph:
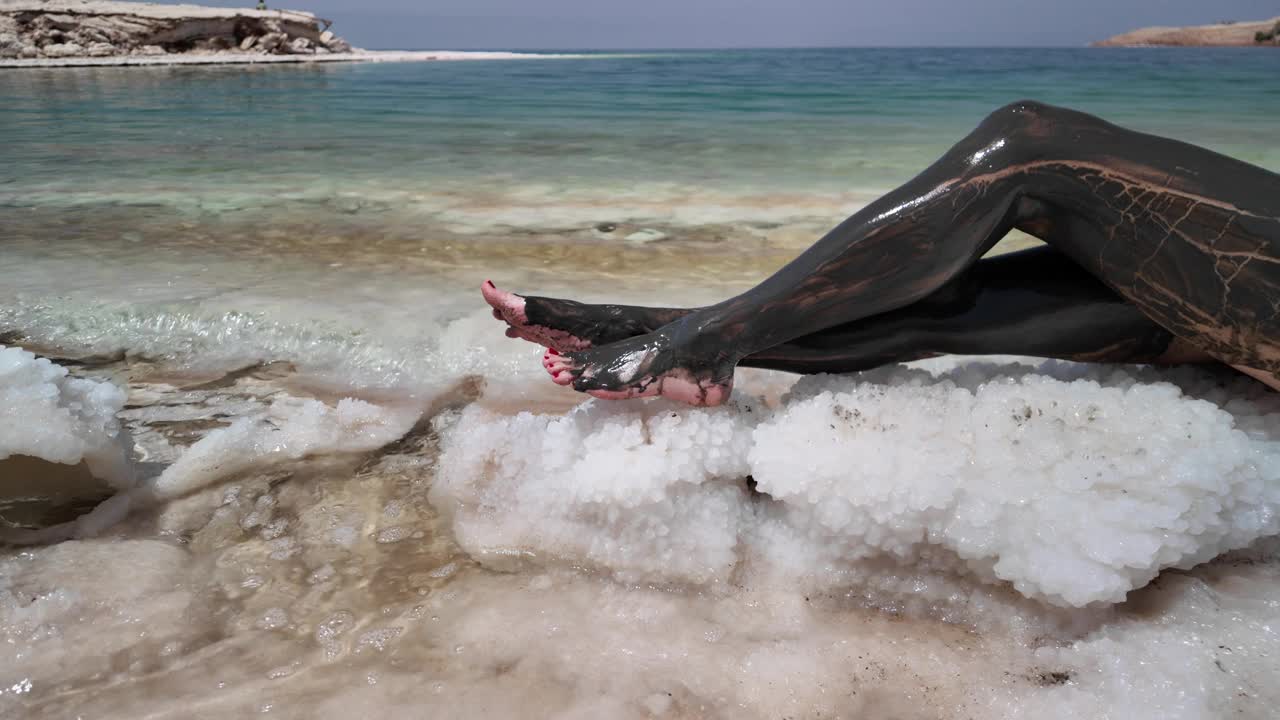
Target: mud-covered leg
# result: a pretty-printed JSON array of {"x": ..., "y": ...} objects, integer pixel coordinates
[
  {"x": 893, "y": 252},
  {"x": 566, "y": 325},
  {"x": 1189, "y": 237},
  {"x": 1036, "y": 303}
]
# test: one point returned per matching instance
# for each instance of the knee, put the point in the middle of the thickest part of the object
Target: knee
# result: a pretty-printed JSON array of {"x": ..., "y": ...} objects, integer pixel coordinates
[
  {"x": 1024, "y": 110},
  {"x": 1034, "y": 119},
  {"x": 1020, "y": 116},
  {"x": 1023, "y": 127}
]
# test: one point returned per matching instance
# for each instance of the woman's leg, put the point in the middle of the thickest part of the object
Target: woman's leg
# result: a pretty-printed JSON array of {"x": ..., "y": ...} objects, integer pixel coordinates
[
  {"x": 1035, "y": 302},
  {"x": 1189, "y": 237}
]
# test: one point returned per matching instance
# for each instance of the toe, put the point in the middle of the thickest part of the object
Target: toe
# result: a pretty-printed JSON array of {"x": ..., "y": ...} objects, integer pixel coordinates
[
  {"x": 558, "y": 367},
  {"x": 507, "y": 306}
]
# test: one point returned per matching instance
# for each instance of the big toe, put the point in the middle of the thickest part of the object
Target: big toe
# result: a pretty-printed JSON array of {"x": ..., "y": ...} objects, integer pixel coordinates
[{"x": 507, "y": 306}]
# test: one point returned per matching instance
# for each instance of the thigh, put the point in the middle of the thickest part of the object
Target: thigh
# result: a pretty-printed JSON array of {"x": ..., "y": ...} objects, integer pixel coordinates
[
  {"x": 1189, "y": 236},
  {"x": 1036, "y": 302}
]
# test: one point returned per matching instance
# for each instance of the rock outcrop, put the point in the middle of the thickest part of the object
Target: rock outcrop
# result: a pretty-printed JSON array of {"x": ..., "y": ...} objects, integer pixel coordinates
[
  {"x": 99, "y": 28},
  {"x": 1229, "y": 34}
]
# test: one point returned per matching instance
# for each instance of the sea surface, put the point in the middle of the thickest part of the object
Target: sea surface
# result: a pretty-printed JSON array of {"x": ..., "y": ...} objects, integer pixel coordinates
[
  {"x": 240, "y": 248},
  {"x": 675, "y": 133}
]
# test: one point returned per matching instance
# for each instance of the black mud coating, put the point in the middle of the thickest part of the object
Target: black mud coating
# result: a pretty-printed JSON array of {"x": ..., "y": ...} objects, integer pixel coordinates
[
  {"x": 1035, "y": 302},
  {"x": 1150, "y": 240},
  {"x": 598, "y": 324}
]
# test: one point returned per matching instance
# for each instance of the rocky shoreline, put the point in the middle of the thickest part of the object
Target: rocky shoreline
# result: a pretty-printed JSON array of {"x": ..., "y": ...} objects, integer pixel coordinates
[
  {"x": 62, "y": 30},
  {"x": 1257, "y": 33},
  {"x": 239, "y": 58}
]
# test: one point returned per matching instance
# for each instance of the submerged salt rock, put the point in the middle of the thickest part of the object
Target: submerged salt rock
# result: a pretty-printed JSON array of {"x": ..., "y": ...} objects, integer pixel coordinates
[{"x": 292, "y": 428}]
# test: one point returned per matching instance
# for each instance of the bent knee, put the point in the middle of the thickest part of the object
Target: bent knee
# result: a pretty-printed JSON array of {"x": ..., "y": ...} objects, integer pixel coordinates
[
  {"x": 1032, "y": 128},
  {"x": 1037, "y": 119},
  {"x": 1022, "y": 117}
]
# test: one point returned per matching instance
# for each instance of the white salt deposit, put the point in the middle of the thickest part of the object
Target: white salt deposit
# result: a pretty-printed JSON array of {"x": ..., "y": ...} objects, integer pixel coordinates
[
  {"x": 290, "y": 429},
  {"x": 1074, "y": 489},
  {"x": 47, "y": 415},
  {"x": 291, "y": 596},
  {"x": 68, "y": 420}
]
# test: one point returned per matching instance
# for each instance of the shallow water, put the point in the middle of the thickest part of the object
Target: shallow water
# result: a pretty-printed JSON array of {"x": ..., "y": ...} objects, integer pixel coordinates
[{"x": 227, "y": 243}]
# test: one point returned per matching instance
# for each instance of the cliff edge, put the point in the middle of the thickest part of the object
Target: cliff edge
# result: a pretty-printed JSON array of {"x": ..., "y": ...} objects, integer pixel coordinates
[
  {"x": 1231, "y": 34},
  {"x": 31, "y": 29}
]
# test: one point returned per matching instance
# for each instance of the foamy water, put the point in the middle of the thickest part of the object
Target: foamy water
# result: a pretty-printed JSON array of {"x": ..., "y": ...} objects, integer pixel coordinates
[{"x": 304, "y": 474}]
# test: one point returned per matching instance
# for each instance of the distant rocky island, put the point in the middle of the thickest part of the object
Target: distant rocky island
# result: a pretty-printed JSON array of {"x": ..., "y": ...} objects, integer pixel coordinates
[
  {"x": 31, "y": 29},
  {"x": 1224, "y": 34},
  {"x": 68, "y": 33}
]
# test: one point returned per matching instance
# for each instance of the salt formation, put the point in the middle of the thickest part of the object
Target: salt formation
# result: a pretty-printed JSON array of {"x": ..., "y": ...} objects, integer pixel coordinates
[
  {"x": 290, "y": 429},
  {"x": 1074, "y": 489},
  {"x": 68, "y": 420},
  {"x": 1073, "y": 492},
  {"x": 45, "y": 414},
  {"x": 650, "y": 493}
]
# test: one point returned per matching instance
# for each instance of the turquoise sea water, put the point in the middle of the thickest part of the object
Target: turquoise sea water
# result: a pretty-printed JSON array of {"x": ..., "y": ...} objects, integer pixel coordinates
[
  {"x": 735, "y": 122},
  {"x": 401, "y": 185}
]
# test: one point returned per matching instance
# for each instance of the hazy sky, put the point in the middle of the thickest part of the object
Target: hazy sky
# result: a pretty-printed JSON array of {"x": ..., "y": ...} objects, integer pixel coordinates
[{"x": 608, "y": 24}]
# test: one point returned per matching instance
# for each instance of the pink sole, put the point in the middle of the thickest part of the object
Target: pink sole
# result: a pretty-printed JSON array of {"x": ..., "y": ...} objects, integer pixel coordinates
[{"x": 509, "y": 308}]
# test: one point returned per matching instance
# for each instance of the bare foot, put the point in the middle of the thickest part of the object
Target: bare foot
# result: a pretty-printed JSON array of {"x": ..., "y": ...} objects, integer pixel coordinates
[
  {"x": 566, "y": 325},
  {"x": 510, "y": 308},
  {"x": 640, "y": 367}
]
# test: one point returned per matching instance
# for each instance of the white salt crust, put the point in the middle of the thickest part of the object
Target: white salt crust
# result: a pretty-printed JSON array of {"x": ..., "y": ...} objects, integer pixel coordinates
[
  {"x": 69, "y": 420},
  {"x": 47, "y": 415},
  {"x": 324, "y": 621},
  {"x": 50, "y": 416},
  {"x": 1074, "y": 489}
]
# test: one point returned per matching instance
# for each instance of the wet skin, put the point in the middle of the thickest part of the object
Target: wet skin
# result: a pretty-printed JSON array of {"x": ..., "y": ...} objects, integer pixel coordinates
[{"x": 1187, "y": 237}]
